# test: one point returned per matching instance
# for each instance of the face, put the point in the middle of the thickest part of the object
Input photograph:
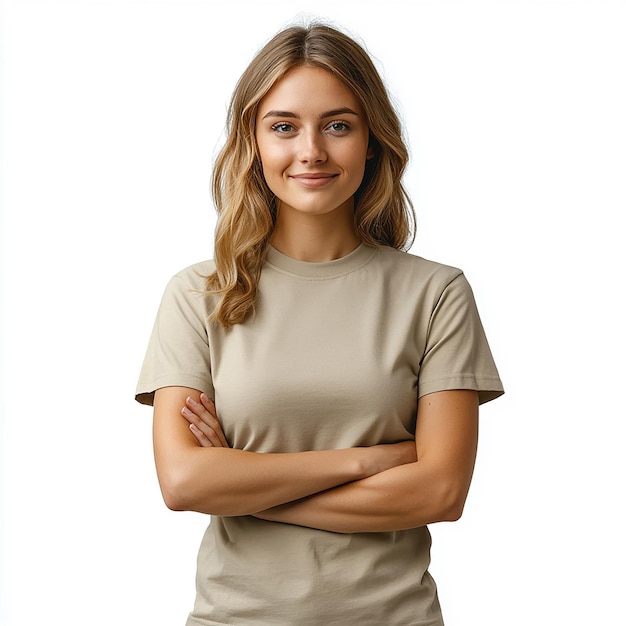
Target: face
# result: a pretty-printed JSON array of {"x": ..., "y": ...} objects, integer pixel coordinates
[{"x": 313, "y": 143}]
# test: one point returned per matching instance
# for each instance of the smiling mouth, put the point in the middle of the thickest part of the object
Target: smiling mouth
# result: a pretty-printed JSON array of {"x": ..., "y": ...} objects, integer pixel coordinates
[{"x": 313, "y": 179}]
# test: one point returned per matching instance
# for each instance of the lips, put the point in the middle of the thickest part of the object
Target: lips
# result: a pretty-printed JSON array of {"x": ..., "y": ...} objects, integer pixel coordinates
[{"x": 313, "y": 179}]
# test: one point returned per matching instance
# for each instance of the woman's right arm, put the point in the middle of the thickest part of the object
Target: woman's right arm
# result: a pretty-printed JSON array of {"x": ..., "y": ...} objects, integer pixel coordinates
[{"x": 224, "y": 481}]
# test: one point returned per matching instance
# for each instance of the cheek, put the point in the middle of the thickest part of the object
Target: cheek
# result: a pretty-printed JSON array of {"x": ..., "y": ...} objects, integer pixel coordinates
[
  {"x": 355, "y": 155},
  {"x": 273, "y": 160},
  {"x": 357, "y": 163},
  {"x": 272, "y": 170}
]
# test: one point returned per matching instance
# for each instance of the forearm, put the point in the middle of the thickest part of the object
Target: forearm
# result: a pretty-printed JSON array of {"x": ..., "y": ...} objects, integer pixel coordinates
[
  {"x": 403, "y": 497},
  {"x": 222, "y": 481},
  {"x": 379, "y": 488}
]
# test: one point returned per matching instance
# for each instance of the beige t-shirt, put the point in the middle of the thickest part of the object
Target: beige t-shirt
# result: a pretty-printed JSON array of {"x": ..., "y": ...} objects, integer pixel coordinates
[{"x": 336, "y": 356}]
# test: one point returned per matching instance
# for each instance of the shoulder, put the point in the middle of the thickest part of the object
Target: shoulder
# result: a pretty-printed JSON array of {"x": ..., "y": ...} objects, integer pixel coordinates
[
  {"x": 406, "y": 260},
  {"x": 194, "y": 276},
  {"x": 416, "y": 268},
  {"x": 187, "y": 290}
]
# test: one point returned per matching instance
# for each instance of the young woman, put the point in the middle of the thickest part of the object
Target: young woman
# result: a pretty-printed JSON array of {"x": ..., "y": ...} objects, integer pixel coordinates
[{"x": 315, "y": 387}]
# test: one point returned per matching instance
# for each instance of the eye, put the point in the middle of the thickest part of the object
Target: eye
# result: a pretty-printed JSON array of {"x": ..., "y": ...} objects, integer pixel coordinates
[
  {"x": 338, "y": 128},
  {"x": 283, "y": 127}
]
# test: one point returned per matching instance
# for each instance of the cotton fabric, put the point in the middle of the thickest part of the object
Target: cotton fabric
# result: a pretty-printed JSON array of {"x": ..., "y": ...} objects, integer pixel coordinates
[{"x": 336, "y": 355}]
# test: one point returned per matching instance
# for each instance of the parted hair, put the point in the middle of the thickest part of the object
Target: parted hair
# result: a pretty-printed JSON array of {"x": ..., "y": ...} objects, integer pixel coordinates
[{"x": 383, "y": 213}]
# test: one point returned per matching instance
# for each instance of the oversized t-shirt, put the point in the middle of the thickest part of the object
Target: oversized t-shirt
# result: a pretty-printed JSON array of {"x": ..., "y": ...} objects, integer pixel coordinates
[{"x": 335, "y": 356}]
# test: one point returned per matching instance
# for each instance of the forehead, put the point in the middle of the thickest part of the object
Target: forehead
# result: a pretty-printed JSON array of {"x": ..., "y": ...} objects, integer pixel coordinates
[{"x": 309, "y": 89}]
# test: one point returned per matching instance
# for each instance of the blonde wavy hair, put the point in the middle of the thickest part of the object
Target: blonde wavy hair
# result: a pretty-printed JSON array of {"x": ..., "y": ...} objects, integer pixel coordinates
[{"x": 383, "y": 213}]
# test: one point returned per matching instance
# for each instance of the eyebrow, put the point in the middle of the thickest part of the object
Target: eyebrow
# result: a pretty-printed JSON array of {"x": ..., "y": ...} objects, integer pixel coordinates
[{"x": 332, "y": 113}]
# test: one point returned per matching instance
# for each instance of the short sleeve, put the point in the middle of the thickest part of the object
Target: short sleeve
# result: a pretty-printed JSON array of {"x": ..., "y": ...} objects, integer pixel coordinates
[
  {"x": 457, "y": 355},
  {"x": 178, "y": 351}
]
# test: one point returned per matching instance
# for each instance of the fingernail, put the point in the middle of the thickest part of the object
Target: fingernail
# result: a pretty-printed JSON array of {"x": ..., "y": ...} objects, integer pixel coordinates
[{"x": 192, "y": 401}]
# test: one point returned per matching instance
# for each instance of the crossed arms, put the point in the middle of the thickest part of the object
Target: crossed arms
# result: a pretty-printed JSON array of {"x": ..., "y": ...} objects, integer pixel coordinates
[{"x": 370, "y": 489}]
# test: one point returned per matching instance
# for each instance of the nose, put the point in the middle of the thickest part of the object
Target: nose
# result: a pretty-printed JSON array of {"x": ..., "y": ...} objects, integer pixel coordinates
[{"x": 311, "y": 147}]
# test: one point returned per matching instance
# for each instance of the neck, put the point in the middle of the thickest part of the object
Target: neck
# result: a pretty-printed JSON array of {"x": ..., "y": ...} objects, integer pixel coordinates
[{"x": 314, "y": 238}]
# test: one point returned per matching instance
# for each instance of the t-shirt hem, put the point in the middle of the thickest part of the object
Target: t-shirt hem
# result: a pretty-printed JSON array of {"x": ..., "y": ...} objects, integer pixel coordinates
[
  {"x": 488, "y": 388},
  {"x": 195, "y": 621},
  {"x": 145, "y": 389}
]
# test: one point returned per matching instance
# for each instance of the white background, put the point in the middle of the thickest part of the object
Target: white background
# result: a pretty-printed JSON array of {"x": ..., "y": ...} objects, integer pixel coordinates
[{"x": 111, "y": 113}]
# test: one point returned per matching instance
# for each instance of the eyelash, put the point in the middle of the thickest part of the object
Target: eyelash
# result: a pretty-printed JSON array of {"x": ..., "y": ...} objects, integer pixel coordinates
[
  {"x": 280, "y": 128},
  {"x": 346, "y": 127}
]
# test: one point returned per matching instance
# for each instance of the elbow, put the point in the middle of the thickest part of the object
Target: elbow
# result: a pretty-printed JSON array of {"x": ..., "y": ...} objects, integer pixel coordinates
[
  {"x": 452, "y": 513},
  {"x": 176, "y": 491},
  {"x": 173, "y": 501},
  {"x": 451, "y": 503},
  {"x": 181, "y": 491},
  {"x": 173, "y": 496}
]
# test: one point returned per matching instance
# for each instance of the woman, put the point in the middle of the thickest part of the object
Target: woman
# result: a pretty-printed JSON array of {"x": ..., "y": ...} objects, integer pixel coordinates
[{"x": 315, "y": 388}]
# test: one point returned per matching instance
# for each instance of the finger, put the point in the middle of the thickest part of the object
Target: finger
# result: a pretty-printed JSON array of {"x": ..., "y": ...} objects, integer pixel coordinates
[
  {"x": 207, "y": 414},
  {"x": 201, "y": 438},
  {"x": 205, "y": 410},
  {"x": 201, "y": 426},
  {"x": 209, "y": 405}
]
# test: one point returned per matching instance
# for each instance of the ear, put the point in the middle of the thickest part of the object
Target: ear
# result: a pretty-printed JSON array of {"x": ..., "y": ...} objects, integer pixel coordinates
[{"x": 372, "y": 147}]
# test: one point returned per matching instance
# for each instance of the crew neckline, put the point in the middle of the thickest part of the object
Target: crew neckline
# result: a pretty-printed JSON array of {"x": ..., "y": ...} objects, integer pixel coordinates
[{"x": 361, "y": 255}]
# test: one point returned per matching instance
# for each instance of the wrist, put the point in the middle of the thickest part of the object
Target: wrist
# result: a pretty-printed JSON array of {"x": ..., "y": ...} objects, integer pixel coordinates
[{"x": 368, "y": 461}]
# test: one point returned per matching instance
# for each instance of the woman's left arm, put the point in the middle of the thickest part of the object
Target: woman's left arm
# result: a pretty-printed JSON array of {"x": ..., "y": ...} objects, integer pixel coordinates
[{"x": 432, "y": 489}]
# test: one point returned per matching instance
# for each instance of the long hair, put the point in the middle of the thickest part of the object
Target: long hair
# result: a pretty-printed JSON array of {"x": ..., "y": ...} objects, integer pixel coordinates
[{"x": 383, "y": 213}]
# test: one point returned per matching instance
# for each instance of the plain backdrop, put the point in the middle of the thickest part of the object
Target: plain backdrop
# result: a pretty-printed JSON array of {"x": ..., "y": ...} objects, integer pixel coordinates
[{"x": 111, "y": 114}]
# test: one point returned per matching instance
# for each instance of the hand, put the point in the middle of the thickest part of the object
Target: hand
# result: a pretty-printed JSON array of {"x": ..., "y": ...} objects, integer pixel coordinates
[
  {"x": 382, "y": 457},
  {"x": 203, "y": 422},
  {"x": 319, "y": 510}
]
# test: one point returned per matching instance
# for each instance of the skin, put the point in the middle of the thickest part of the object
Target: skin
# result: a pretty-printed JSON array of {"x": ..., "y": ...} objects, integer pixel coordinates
[
  {"x": 218, "y": 480},
  {"x": 313, "y": 144},
  {"x": 408, "y": 495}
]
